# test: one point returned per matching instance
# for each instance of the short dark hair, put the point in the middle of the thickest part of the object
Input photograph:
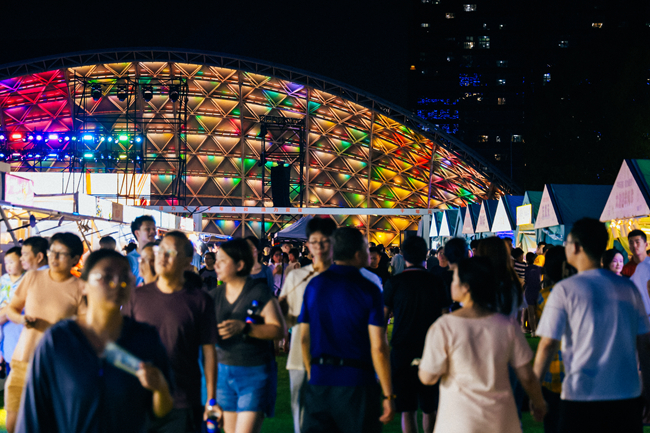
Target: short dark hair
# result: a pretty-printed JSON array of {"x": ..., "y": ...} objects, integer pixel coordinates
[
  {"x": 347, "y": 241},
  {"x": 592, "y": 236},
  {"x": 414, "y": 250},
  {"x": 239, "y": 250},
  {"x": 517, "y": 252},
  {"x": 395, "y": 250},
  {"x": 38, "y": 245},
  {"x": 326, "y": 226},
  {"x": 137, "y": 223},
  {"x": 96, "y": 256},
  {"x": 530, "y": 257},
  {"x": 637, "y": 232},
  {"x": 71, "y": 241},
  {"x": 374, "y": 250},
  {"x": 477, "y": 273},
  {"x": 107, "y": 240},
  {"x": 131, "y": 246},
  {"x": 540, "y": 244},
  {"x": 456, "y": 250},
  {"x": 295, "y": 252},
  {"x": 211, "y": 254},
  {"x": 474, "y": 244},
  {"x": 555, "y": 258},
  {"x": 13, "y": 250},
  {"x": 188, "y": 248}
]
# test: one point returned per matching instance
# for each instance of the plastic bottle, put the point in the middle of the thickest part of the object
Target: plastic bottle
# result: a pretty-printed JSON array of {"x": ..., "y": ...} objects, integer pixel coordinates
[{"x": 212, "y": 424}]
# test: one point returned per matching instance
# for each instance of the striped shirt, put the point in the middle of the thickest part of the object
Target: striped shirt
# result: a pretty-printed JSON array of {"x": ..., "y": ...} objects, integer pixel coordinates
[{"x": 520, "y": 269}]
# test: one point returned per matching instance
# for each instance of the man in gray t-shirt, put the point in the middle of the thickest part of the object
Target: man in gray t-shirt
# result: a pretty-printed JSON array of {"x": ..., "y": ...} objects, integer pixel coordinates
[{"x": 601, "y": 321}]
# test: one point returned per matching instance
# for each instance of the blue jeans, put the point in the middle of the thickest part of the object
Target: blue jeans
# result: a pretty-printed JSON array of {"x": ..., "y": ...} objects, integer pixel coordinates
[{"x": 247, "y": 389}]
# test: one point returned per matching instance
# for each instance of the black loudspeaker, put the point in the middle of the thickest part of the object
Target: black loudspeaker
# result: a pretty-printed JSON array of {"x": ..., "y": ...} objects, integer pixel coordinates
[{"x": 280, "y": 186}]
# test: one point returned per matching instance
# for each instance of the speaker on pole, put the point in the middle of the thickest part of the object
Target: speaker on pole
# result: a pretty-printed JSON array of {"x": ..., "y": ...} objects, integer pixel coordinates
[{"x": 280, "y": 177}]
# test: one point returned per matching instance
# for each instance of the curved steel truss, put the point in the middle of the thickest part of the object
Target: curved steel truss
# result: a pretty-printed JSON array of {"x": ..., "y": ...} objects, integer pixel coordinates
[{"x": 360, "y": 151}]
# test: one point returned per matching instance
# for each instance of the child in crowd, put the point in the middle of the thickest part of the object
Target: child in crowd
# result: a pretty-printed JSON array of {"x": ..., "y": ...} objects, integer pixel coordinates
[{"x": 9, "y": 332}]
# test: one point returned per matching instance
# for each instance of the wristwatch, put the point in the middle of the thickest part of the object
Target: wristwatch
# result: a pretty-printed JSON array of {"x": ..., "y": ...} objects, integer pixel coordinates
[{"x": 390, "y": 397}]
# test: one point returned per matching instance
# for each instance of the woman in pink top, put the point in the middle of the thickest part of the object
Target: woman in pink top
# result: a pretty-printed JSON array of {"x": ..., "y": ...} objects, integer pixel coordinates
[{"x": 469, "y": 351}]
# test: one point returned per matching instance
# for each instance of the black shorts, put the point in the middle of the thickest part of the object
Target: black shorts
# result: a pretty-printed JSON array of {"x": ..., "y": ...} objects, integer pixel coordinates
[
  {"x": 620, "y": 416},
  {"x": 411, "y": 393},
  {"x": 344, "y": 409}
]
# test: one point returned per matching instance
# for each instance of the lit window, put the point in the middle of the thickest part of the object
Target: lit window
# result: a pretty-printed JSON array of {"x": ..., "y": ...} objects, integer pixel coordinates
[
  {"x": 482, "y": 138},
  {"x": 498, "y": 139},
  {"x": 564, "y": 44},
  {"x": 450, "y": 15},
  {"x": 469, "y": 8},
  {"x": 426, "y": 1},
  {"x": 501, "y": 101},
  {"x": 501, "y": 26},
  {"x": 485, "y": 25},
  {"x": 468, "y": 45},
  {"x": 597, "y": 25},
  {"x": 424, "y": 25},
  {"x": 516, "y": 139},
  {"x": 547, "y": 78},
  {"x": 497, "y": 156},
  {"x": 502, "y": 63},
  {"x": 412, "y": 67},
  {"x": 501, "y": 82},
  {"x": 484, "y": 42}
]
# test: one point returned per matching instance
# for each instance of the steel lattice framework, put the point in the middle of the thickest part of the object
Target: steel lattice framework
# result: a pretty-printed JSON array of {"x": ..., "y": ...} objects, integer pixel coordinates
[{"x": 360, "y": 151}]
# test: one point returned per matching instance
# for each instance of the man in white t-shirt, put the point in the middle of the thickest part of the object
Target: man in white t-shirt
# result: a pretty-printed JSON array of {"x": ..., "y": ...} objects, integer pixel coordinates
[
  {"x": 319, "y": 231},
  {"x": 601, "y": 321}
]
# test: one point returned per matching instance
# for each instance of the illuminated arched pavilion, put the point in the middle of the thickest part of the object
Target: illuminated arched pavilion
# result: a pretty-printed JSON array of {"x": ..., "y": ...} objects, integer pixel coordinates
[{"x": 359, "y": 151}]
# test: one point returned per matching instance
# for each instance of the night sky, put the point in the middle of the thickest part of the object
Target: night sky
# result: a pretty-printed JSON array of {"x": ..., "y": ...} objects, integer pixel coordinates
[{"x": 360, "y": 43}]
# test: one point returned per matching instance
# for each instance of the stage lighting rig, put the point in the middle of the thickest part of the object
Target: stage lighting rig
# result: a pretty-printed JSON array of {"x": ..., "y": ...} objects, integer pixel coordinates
[
  {"x": 147, "y": 93},
  {"x": 96, "y": 92},
  {"x": 121, "y": 93}
]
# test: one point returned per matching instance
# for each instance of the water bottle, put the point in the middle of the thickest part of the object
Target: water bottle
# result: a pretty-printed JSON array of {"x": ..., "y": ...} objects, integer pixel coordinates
[{"x": 212, "y": 423}]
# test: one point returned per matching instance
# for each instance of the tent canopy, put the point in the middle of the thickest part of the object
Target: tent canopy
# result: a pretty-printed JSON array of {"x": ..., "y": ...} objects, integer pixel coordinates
[
  {"x": 566, "y": 204},
  {"x": 471, "y": 216},
  {"x": 297, "y": 230},
  {"x": 506, "y": 213},
  {"x": 630, "y": 195},
  {"x": 486, "y": 216}
]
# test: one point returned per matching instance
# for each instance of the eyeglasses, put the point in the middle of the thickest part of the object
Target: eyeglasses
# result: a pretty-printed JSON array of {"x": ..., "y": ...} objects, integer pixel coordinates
[
  {"x": 321, "y": 243},
  {"x": 113, "y": 281},
  {"x": 165, "y": 253},
  {"x": 56, "y": 254}
]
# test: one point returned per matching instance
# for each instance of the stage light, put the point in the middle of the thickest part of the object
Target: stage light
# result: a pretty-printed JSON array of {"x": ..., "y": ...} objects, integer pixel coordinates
[
  {"x": 52, "y": 155},
  {"x": 2, "y": 137},
  {"x": 101, "y": 138},
  {"x": 88, "y": 155},
  {"x": 53, "y": 136},
  {"x": 2, "y": 155},
  {"x": 122, "y": 156},
  {"x": 121, "y": 93},
  {"x": 138, "y": 139},
  {"x": 96, "y": 92},
  {"x": 30, "y": 137},
  {"x": 173, "y": 93},
  {"x": 67, "y": 138},
  {"x": 16, "y": 136},
  {"x": 110, "y": 139},
  {"x": 147, "y": 93},
  {"x": 88, "y": 137},
  {"x": 124, "y": 137},
  {"x": 74, "y": 138}
]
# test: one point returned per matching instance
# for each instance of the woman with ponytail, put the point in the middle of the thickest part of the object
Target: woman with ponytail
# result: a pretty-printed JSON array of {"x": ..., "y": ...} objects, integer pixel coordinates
[{"x": 470, "y": 350}]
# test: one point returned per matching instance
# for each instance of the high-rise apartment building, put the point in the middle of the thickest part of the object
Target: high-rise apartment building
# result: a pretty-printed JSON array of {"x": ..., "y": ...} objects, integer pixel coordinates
[{"x": 476, "y": 65}]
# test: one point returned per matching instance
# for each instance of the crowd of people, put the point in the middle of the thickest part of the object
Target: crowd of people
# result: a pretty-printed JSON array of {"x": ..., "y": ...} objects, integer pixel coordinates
[{"x": 457, "y": 351}]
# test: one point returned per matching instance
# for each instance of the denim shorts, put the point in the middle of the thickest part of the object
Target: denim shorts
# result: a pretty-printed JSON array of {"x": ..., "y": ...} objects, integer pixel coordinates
[{"x": 245, "y": 389}]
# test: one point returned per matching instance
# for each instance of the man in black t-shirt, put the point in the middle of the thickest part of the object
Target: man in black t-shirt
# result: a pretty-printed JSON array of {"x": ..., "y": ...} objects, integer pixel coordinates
[
  {"x": 207, "y": 273},
  {"x": 416, "y": 298},
  {"x": 375, "y": 257}
]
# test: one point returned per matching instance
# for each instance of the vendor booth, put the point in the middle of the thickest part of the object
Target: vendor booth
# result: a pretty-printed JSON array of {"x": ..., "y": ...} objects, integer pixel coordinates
[
  {"x": 628, "y": 205},
  {"x": 469, "y": 221},
  {"x": 563, "y": 205},
  {"x": 505, "y": 218},
  {"x": 296, "y": 231},
  {"x": 486, "y": 217},
  {"x": 525, "y": 237}
]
